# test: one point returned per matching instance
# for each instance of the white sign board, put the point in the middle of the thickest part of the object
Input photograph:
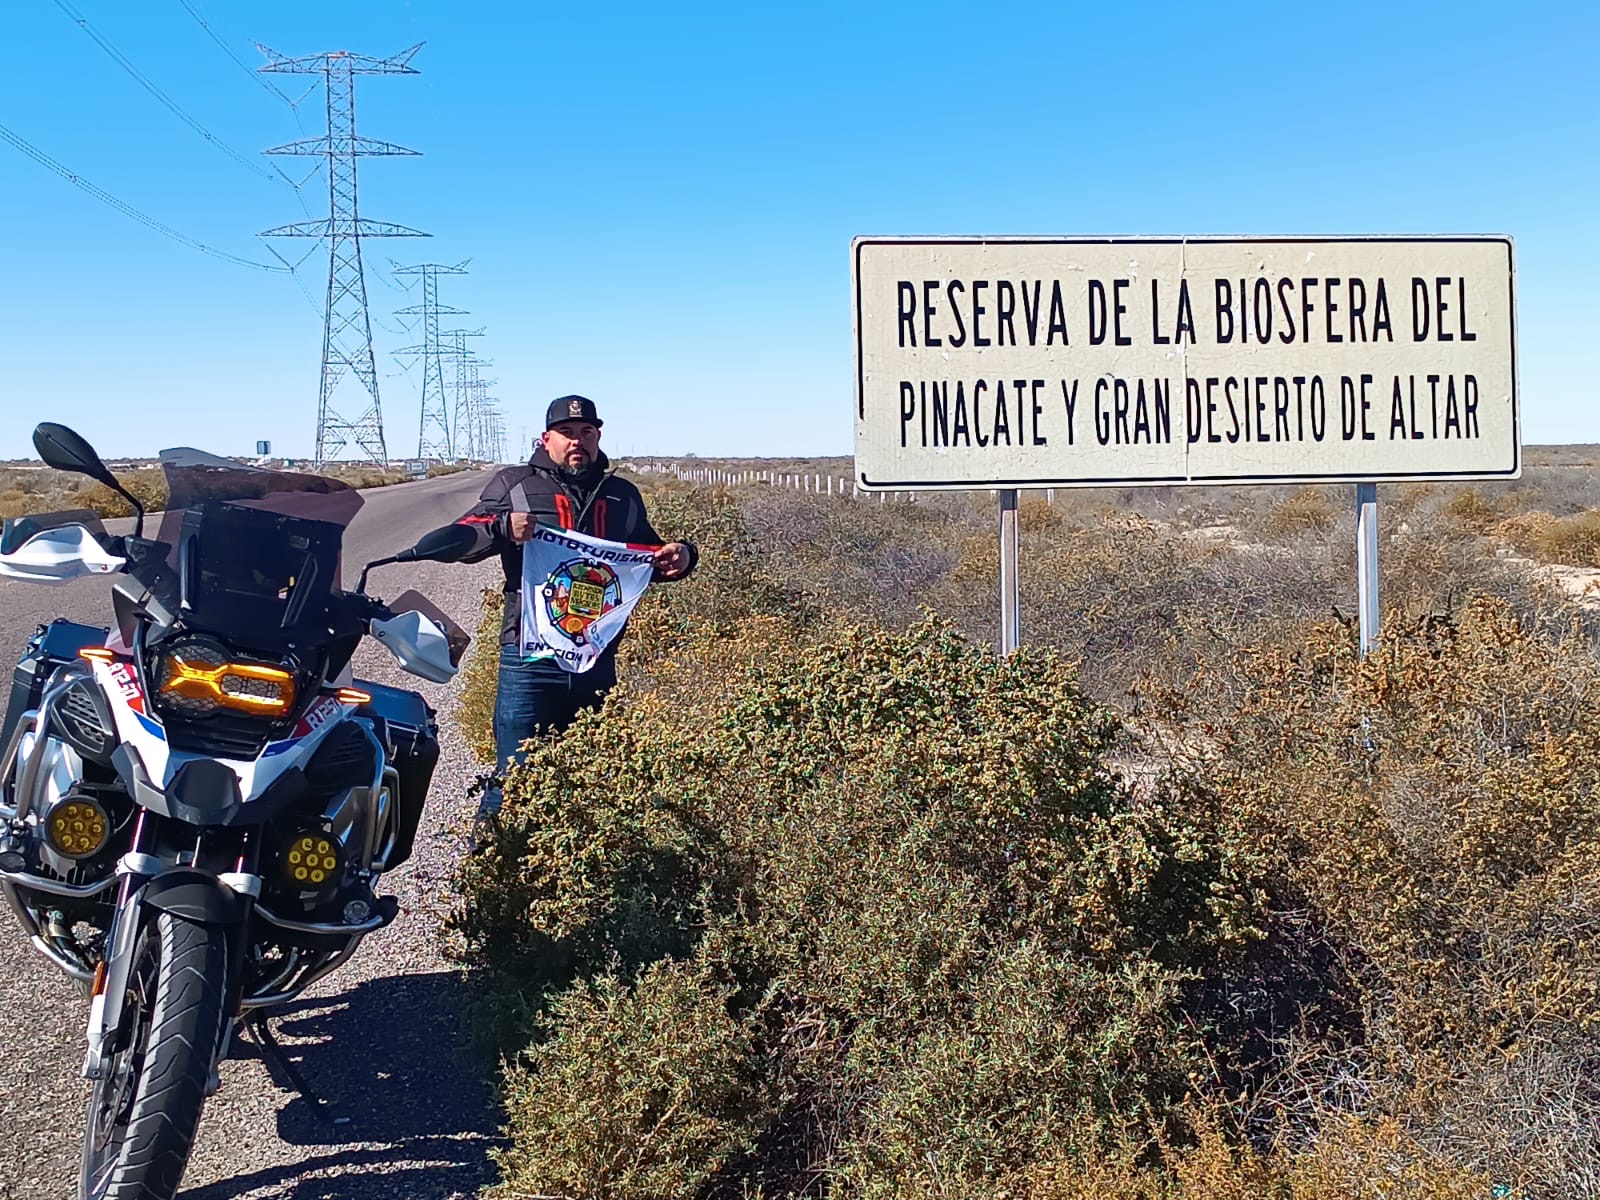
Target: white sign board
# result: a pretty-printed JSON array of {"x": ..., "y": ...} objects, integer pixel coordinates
[{"x": 1060, "y": 362}]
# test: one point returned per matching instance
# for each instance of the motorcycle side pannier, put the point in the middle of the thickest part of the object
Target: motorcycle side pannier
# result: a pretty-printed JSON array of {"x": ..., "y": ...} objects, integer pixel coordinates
[
  {"x": 53, "y": 645},
  {"x": 413, "y": 744}
]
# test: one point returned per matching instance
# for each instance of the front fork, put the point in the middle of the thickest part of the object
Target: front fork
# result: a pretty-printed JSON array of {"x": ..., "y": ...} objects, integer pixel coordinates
[{"x": 149, "y": 885}]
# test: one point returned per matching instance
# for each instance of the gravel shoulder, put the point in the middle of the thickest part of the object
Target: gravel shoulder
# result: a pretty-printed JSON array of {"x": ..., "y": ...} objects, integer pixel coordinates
[{"x": 384, "y": 1038}]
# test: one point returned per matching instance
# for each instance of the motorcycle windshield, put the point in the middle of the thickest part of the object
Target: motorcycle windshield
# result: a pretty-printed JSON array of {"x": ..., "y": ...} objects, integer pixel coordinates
[{"x": 254, "y": 552}]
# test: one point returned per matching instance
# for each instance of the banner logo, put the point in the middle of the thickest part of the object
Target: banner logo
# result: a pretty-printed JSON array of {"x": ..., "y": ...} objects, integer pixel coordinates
[{"x": 578, "y": 593}]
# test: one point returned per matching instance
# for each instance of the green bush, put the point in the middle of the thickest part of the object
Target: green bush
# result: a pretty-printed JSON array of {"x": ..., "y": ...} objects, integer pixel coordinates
[
  {"x": 931, "y": 899},
  {"x": 640, "y": 1091}
]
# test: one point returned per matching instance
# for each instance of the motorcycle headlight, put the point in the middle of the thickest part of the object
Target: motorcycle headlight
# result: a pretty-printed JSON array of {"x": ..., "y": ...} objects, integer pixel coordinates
[
  {"x": 311, "y": 861},
  {"x": 77, "y": 828},
  {"x": 197, "y": 677}
]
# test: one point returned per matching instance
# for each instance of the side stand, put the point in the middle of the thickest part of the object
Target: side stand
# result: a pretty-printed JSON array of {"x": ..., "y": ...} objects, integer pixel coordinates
[{"x": 272, "y": 1053}]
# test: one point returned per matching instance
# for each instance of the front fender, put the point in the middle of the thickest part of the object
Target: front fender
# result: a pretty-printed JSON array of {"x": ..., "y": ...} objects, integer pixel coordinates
[{"x": 194, "y": 896}]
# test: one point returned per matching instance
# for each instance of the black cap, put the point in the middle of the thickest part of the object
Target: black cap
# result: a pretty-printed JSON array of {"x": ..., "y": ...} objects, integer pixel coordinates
[{"x": 572, "y": 408}]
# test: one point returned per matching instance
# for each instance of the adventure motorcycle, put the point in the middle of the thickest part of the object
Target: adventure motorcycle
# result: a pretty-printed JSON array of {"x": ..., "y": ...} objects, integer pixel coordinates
[{"x": 197, "y": 803}]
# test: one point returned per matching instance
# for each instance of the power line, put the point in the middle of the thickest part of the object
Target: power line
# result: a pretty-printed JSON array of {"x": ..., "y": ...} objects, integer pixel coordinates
[
  {"x": 272, "y": 88},
  {"x": 105, "y": 197},
  {"x": 171, "y": 105}
]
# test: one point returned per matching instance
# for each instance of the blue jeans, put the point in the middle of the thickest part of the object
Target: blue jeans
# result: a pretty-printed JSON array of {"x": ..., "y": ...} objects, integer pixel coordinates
[{"x": 539, "y": 697}]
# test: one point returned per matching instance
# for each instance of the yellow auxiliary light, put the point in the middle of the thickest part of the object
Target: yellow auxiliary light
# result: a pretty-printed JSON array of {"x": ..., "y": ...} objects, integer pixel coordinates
[
  {"x": 248, "y": 687},
  {"x": 311, "y": 861},
  {"x": 77, "y": 828}
]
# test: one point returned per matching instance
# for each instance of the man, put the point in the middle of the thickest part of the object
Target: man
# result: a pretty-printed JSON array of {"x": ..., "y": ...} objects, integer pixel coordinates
[{"x": 568, "y": 484}]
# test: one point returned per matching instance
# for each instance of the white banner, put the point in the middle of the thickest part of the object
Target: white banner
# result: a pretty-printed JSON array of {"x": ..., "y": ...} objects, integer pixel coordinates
[
  {"x": 577, "y": 594},
  {"x": 1059, "y": 362}
]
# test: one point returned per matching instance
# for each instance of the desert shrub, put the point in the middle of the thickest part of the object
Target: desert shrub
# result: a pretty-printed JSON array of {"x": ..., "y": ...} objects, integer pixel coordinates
[
  {"x": 1469, "y": 507},
  {"x": 1038, "y": 516},
  {"x": 734, "y": 581},
  {"x": 868, "y": 560},
  {"x": 1574, "y": 539},
  {"x": 480, "y": 676},
  {"x": 1432, "y": 808},
  {"x": 1304, "y": 509},
  {"x": 955, "y": 938},
  {"x": 639, "y": 1090},
  {"x": 1352, "y": 1158},
  {"x": 1523, "y": 532},
  {"x": 878, "y": 913},
  {"x": 150, "y": 487}
]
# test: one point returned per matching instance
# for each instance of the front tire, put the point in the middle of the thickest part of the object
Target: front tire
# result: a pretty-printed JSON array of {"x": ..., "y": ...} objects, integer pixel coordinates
[{"x": 145, "y": 1107}]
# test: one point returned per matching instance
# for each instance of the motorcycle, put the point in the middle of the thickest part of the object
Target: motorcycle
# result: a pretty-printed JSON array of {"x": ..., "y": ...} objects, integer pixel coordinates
[{"x": 197, "y": 802}]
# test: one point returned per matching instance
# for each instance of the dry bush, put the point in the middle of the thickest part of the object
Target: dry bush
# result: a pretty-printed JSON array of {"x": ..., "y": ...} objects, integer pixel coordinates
[
  {"x": 1305, "y": 510},
  {"x": 149, "y": 487},
  {"x": 480, "y": 679},
  {"x": 25, "y": 491},
  {"x": 1351, "y": 1159},
  {"x": 638, "y": 1091},
  {"x": 1574, "y": 540},
  {"x": 1471, "y": 509},
  {"x": 1433, "y": 809},
  {"x": 1039, "y": 517},
  {"x": 1561, "y": 491},
  {"x": 365, "y": 475}
]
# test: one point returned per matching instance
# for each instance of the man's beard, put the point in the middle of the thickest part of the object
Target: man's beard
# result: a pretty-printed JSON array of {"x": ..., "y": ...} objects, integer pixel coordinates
[{"x": 569, "y": 471}]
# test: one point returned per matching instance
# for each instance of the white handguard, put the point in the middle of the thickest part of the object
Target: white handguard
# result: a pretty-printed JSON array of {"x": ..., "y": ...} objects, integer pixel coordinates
[
  {"x": 59, "y": 555},
  {"x": 419, "y": 643}
]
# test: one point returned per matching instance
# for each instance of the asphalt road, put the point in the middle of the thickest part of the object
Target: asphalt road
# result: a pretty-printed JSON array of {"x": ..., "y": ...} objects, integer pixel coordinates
[{"x": 382, "y": 1038}]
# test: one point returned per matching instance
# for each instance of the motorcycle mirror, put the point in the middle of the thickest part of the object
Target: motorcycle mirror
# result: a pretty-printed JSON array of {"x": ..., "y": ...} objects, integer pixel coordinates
[
  {"x": 66, "y": 450},
  {"x": 450, "y": 543}
]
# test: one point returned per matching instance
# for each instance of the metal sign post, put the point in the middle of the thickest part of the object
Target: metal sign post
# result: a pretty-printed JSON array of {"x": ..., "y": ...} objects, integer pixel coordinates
[
  {"x": 1367, "y": 563},
  {"x": 1010, "y": 585}
]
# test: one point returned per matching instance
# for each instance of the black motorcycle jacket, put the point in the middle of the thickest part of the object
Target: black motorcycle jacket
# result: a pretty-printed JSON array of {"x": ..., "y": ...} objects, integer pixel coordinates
[{"x": 595, "y": 502}]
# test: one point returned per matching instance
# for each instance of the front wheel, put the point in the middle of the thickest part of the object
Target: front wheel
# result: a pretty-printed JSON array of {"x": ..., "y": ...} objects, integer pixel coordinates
[{"x": 145, "y": 1106}]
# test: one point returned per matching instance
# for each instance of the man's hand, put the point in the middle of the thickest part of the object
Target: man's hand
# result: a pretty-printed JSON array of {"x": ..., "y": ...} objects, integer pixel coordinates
[
  {"x": 672, "y": 560},
  {"x": 521, "y": 526}
]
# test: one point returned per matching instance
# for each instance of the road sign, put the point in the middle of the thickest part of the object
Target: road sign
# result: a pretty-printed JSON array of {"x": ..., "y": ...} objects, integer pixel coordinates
[
  {"x": 263, "y": 449},
  {"x": 416, "y": 468},
  {"x": 1058, "y": 362}
]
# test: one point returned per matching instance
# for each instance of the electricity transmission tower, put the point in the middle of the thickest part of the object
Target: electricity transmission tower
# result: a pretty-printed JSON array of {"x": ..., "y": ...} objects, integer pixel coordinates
[
  {"x": 346, "y": 325},
  {"x": 495, "y": 421},
  {"x": 466, "y": 422},
  {"x": 484, "y": 414},
  {"x": 435, "y": 438}
]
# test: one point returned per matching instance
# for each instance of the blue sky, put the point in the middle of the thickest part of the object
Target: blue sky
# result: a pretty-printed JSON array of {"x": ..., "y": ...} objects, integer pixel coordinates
[{"x": 658, "y": 201}]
